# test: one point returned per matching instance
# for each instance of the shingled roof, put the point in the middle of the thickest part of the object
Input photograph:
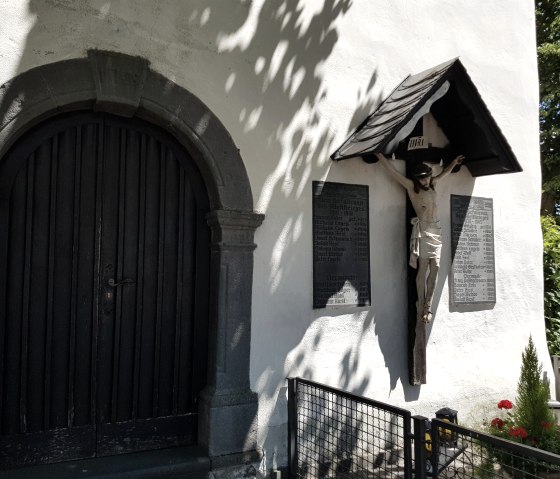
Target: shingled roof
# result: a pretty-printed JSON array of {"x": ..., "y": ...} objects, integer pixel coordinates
[{"x": 449, "y": 94}]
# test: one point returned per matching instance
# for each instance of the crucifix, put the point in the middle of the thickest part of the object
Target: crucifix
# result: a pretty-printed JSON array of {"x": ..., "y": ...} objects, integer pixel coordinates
[
  {"x": 425, "y": 248},
  {"x": 431, "y": 116}
]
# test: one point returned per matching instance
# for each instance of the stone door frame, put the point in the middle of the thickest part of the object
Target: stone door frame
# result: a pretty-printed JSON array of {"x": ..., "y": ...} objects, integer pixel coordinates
[{"x": 126, "y": 85}]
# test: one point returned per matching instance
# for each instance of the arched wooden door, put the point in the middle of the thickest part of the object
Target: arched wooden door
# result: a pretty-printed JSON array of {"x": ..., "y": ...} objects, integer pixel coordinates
[{"x": 103, "y": 291}]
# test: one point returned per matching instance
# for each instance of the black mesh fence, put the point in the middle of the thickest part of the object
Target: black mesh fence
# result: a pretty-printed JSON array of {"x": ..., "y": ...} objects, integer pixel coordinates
[
  {"x": 334, "y": 434},
  {"x": 458, "y": 452}
]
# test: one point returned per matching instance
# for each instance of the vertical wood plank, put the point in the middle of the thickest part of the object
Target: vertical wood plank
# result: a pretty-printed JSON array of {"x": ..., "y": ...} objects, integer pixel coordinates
[
  {"x": 128, "y": 293},
  {"x": 150, "y": 279},
  {"x": 74, "y": 278},
  {"x": 179, "y": 293},
  {"x": 109, "y": 271},
  {"x": 160, "y": 256},
  {"x": 119, "y": 272},
  {"x": 50, "y": 281},
  {"x": 168, "y": 339},
  {"x": 60, "y": 270},
  {"x": 189, "y": 318},
  {"x": 14, "y": 285},
  {"x": 96, "y": 313},
  {"x": 39, "y": 300},
  {"x": 4, "y": 275},
  {"x": 26, "y": 294},
  {"x": 140, "y": 276},
  {"x": 85, "y": 245}
]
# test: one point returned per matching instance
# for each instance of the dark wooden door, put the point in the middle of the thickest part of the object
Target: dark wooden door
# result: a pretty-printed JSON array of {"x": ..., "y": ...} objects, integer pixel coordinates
[{"x": 103, "y": 290}]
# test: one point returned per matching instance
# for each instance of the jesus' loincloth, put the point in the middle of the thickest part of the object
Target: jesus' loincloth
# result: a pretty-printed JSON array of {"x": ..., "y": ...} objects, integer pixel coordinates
[{"x": 425, "y": 241}]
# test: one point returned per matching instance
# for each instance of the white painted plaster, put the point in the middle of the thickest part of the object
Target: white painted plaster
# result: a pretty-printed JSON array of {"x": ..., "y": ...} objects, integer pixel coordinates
[{"x": 290, "y": 80}]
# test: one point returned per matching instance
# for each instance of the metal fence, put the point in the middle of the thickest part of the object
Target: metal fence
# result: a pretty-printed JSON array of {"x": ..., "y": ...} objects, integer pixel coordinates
[
  {"x": 335, "y": 434},
  {"x": 456, "y": 451}
]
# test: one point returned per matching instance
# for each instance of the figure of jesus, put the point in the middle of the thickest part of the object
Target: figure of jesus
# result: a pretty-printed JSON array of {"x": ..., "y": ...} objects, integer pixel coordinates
[{"x": 425, "y": 241}]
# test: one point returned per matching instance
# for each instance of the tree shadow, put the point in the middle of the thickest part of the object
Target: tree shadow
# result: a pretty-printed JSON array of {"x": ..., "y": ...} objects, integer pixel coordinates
[{"x": 261, "y": 65}]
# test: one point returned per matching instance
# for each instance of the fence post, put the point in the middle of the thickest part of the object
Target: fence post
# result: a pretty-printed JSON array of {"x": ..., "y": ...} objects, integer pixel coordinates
[
  {"x": 292, "y": 428},
  {"x": 434, "y": 456},
  {"x": 408, "y": 456},
  {"x": 420, "y": 455}
]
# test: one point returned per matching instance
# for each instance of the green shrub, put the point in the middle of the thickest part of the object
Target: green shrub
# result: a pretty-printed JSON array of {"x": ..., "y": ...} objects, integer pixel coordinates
[
  {"x": 529, "y": 420},
  {"x": 533, "y": 392},
  {"x": 551, "y": 269}
]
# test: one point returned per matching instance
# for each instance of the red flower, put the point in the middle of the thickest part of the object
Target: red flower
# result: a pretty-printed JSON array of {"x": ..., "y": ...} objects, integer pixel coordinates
[
  {"x": 497, "y": 423},
  {"x": 545, "y": 424},
  {"x": 505, "y": 404},
  {"x": 518, "y": 432}
]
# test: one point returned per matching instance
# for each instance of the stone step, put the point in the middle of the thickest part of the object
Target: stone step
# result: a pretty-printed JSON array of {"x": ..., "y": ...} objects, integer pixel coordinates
[{"x": 173, "y": 463}]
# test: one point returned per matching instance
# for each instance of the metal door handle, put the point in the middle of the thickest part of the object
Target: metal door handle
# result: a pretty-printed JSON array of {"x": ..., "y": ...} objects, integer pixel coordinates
[{"x": 123, "y": 282}]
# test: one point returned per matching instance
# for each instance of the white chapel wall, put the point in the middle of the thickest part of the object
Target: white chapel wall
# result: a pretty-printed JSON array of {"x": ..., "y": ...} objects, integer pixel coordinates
[{"x": 291, "y": 80}]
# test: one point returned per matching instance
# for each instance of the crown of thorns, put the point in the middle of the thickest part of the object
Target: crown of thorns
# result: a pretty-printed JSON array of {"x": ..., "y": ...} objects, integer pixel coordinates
[{"x": 421, "y": 171}]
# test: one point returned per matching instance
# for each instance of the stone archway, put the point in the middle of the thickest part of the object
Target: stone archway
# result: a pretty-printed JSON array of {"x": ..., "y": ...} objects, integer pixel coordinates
[{"x": 125, "y": 85}]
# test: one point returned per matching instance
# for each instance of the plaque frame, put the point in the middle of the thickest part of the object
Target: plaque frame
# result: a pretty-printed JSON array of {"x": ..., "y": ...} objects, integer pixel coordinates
[
  {"x": 457, "y": 225},
  {"x": 330, "y": 276}
]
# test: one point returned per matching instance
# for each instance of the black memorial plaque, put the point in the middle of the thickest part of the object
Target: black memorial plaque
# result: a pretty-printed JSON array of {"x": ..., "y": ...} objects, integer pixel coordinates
[
  {"x": 341, "y": 273},
  {"x": 473, "y": 267}
]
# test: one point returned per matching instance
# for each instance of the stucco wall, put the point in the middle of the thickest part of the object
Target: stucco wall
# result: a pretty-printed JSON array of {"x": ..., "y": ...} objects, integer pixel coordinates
[{"x": 290, "y": 80}]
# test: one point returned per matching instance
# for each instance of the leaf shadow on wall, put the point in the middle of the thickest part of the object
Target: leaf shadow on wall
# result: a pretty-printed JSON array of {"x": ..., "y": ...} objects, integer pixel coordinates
[{"x": 269, "y": 87}]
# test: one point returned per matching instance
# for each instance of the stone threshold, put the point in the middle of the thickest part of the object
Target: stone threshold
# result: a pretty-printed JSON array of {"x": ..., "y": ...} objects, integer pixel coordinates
[{"x": 172, "y": 463}]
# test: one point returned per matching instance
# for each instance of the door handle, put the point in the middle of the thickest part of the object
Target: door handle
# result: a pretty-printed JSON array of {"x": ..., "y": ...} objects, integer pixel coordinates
[{"x": 123, "y": 282}]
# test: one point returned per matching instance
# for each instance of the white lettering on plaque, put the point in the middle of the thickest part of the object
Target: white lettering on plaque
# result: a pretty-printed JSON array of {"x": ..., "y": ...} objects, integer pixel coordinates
[{"x": 473, "y": 276}]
